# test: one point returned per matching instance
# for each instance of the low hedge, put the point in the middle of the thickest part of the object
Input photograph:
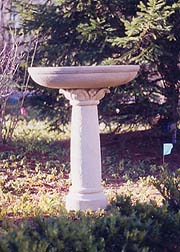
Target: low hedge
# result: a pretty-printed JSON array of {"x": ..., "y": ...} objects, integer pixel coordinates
[{"x": 122, "y": 227}]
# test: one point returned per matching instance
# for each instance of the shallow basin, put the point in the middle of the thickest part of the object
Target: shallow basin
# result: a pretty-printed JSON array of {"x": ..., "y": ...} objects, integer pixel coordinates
[
  {"x": 84, "y": 86},
  {"x": 85, "y": 77}
]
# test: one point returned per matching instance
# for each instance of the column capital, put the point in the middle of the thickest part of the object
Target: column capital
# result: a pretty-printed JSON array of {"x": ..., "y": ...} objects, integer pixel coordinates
[{"x": 84, "y": 97}]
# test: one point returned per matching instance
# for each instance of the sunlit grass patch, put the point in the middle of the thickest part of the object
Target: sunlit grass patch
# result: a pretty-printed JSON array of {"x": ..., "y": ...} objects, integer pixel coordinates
[
  {"x": 141, "y": 191},
  {"x": 34, "y": 176}
]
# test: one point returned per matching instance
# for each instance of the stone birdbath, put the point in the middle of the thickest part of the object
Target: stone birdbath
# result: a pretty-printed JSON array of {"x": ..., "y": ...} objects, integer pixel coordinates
[{"x": 84, "y": 87}]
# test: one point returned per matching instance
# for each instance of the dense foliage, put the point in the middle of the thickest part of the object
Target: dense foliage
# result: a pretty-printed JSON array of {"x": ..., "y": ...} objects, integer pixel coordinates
[
  {"x": 69, "y": 33},
  {"x": 98, "y": 38},
  {"x": 105, "y": 32},
  {"x": 168, "y": 185},
  {"x": 152, "y": 37},
  {"x": 122, "y": 227}
]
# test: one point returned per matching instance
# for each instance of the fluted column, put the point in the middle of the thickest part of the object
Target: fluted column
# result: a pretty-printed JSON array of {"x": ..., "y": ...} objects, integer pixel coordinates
[{"x": 86, "y": 191}]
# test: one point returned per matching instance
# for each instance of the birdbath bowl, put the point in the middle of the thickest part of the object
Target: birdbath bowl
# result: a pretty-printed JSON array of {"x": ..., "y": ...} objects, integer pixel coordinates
[{"x": 84, "y": 87}]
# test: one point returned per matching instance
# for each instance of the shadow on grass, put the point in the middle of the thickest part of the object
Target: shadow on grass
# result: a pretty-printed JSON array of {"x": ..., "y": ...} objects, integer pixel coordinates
[{"x": 135, "y": 154}]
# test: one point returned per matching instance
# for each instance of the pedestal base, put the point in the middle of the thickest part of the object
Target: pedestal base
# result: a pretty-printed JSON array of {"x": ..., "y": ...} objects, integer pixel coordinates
[
  {"x": 86, "y": 191},
  {"x": 77, "y": 201}
]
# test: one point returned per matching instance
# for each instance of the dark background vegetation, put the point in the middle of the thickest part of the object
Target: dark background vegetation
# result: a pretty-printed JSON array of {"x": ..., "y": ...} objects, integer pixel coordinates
[{"x": 110, "y": 32}]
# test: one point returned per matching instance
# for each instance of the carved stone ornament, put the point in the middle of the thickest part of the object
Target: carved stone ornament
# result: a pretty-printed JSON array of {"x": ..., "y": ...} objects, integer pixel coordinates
[{"x": 84, "y": 96}]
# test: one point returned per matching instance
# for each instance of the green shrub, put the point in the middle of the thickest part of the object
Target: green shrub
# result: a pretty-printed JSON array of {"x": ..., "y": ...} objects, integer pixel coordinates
[
  {"x": 168, "y": 184},
  {"x": 52, "y": 235},
  {"x": 122, "y": 227}
]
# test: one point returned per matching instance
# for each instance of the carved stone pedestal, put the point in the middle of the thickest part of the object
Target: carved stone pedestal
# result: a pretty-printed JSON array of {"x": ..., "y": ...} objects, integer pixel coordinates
[
  {"x": 86, "y": 191},
  {"x": 84, "y": 86}
]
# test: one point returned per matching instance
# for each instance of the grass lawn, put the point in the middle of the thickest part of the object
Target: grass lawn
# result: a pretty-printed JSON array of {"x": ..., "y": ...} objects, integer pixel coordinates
[{"x": 34, "y": 170}]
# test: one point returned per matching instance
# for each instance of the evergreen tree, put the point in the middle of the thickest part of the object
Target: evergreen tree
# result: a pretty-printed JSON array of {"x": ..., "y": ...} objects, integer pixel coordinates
[
  {"x": 102, "y": 32},
  {"x": 71, "y": 33},
  {"x": 152, "y": 38}
]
